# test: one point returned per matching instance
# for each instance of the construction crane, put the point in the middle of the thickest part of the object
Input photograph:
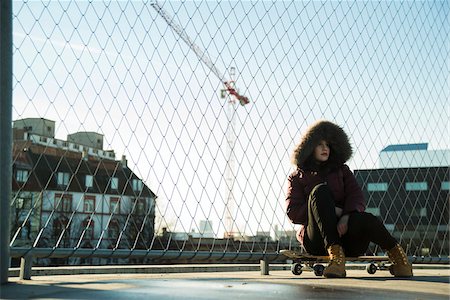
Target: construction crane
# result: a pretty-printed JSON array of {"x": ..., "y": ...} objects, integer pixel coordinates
[
  {"x": 200, "y": 54},
  {"x": 233, "y": 96}
]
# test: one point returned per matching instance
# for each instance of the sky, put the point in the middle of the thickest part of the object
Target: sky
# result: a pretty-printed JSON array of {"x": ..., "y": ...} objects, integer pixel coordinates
[{"x": 378, "y": 69}]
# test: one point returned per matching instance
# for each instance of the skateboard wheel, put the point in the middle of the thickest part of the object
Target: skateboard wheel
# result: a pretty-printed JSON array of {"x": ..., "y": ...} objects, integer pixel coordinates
[
  {"x": 371, "y": 268},
  {"x": 296, "y": 269},
  {"x": 318, "y": 269},
  {"x": 391, "y": 269}
]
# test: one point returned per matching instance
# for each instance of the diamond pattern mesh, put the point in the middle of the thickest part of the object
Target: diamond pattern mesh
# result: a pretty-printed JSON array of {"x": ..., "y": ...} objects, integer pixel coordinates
[{"x": 213, "y": 172}]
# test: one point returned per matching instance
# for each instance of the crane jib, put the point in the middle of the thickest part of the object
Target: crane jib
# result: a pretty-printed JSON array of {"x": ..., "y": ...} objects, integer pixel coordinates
[{"x": 202, "y": 55}]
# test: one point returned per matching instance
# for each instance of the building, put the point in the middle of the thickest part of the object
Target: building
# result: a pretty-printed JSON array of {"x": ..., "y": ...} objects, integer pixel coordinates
[
  {"x": 72, "y": 195},
  {"x": 410, "y": 193},
  {"x": 413, "y": 156},
  {"x": 38, "y": 126},
  {"x": 205, "y": 230}
]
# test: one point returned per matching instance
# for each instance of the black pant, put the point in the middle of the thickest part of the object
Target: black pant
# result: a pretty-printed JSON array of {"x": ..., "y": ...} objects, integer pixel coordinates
[{"x": 321, "y": 231}]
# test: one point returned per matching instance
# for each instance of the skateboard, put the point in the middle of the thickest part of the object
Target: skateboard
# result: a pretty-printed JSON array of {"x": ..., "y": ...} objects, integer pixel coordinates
[{"x": 316, "y": 262}]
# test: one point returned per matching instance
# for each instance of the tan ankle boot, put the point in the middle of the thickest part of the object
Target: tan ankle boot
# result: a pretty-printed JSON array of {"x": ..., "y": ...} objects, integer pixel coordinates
[
  {"x": 336, "y": 266},
  {"x": 400, "y": 265}
]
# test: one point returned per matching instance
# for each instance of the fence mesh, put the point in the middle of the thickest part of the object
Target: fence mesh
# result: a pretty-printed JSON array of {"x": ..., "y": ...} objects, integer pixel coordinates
[{"x": 132, "y": 128}]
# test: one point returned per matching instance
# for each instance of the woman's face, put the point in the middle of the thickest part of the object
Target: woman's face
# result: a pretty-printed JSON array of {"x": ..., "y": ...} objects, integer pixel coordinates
[{"x": 322, "y": 151}]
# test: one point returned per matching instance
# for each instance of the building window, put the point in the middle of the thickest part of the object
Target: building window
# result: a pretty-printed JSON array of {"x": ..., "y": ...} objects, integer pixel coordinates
[
  {"x": 419, "y": 212},
  {"x": 114, "y": 183},
  {"x": 445, "y": 185},
  {"x": 62, "y": 178},
  {"x": 26, "y": 230},
  {"x": 24, "y": 203},
  {"x": 22, "y": 175},
  {"x": 89, "y": 181},
  {"x": 63, "y": 202},
  {"x": 139, "y": 208},
  {"x": 114, "y": 205},
  {"x": 137, "y": 185},
  {"x": 89, "y": 204},
  {"x": 60, "y": 225},
  {"x": 377, "y": 187},
  {"x": 416, "y": 186},
  {"x": 89, "y": 229},
  {"x": 113, "y": 230},
  {"x": 374, "y": 211}
]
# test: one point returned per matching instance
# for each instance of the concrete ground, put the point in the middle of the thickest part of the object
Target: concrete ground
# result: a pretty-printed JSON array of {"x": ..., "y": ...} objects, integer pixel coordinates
[{"x": 428, "y": 283}]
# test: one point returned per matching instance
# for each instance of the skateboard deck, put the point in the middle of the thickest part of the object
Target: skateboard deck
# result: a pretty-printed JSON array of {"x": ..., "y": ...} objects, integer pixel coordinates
[{"x": 315, "y": 262}]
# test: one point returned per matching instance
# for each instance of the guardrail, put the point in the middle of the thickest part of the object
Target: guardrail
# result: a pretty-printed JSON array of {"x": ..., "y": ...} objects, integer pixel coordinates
[{"x": 264, "y": 259}]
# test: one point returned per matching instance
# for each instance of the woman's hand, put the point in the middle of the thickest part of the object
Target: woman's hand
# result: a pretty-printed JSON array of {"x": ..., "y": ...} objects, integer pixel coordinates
[
  {"x": 342, "y": 225},
  {"x": 338, "y": 211}
]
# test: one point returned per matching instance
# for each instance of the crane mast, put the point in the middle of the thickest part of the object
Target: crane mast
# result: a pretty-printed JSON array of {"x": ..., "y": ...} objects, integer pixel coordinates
[
  {"x": 233, "y": 95},
  {"x": 229, "y": 171}
]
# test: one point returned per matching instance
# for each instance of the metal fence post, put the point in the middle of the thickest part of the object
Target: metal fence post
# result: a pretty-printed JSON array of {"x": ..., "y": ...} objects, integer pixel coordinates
[
  {"x": 5, "y": 133},
  {"x": 264, "y": 265},
  {"x": 26, "y": 264}
]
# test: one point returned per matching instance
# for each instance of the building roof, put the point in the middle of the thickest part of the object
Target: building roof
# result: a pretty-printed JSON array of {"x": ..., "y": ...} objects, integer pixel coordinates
[
  {"x": 43, "y": 168},
  {"x": 406, "y": 147}
]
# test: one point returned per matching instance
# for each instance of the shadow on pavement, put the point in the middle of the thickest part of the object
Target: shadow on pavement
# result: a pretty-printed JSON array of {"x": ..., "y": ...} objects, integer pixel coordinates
[
  {"x": 443, "y": 279},
  {"x": 206, "y": 288}
]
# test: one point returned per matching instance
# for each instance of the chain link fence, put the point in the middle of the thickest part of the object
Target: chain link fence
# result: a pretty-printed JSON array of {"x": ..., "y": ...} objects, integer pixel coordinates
[{"x": 155, "y": 132}]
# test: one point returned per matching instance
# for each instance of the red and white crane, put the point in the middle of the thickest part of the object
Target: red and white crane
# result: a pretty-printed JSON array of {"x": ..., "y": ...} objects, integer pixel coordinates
[
  {"x": 203, "y": 56},
  {"x": 231, "y": 134}
]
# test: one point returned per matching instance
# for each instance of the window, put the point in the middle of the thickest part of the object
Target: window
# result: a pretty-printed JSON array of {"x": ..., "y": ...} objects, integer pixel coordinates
[
  {"x": 139, "y": 209},
  {"x": 24, "y": 203},
  {"x": 113, "y": 230},
  {"x": 137, "y": 185},
  {"x": 63, "y": 202},
  {"x": 374, "y": 211},
  {"x": 58, "y": 226},
  {"x": 61, "y": 228},
  {"x": 89, "y": 181},
  {"x": 419, "y": 212},
  {"x": 89, "y": 204},
  {"x": 114, "y": 205},
  {"x": 416, "y": 186},
  {"x": 62, "y": 178},
  {"x": 89, "y": 229},
  {"x": 377, "y": 187},
  {"x": 22, "y": 175},
  {"x": 445, "y": 185},
  {"x": 114, "y": 183},
  {"x": 25, "y": 231}
]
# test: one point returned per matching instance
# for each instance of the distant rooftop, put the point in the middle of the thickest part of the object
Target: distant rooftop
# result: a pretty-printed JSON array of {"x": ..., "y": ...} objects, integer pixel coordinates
[{"x": 406, "y": 147}]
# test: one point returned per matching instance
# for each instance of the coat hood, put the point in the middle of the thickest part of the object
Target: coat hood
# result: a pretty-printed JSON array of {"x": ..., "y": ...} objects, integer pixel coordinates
[{"x": 340, "y": 152}]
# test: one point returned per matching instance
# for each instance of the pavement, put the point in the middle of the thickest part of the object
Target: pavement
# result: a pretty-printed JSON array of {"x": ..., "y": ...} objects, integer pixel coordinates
[{"x": 428, "y": 283}]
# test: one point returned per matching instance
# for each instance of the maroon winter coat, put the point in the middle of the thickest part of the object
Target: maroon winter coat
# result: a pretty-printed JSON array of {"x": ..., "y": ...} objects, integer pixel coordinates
[{"x": 341, "y": 181}]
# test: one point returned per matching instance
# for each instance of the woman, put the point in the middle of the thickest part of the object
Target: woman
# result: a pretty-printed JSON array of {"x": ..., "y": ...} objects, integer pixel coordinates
[{"x": 325, "y": 199}]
